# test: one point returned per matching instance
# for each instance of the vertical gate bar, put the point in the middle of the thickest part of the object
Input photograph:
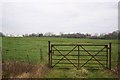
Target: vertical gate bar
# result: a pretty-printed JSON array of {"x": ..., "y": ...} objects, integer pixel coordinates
[
  {"x": 49, "y": 53},
  {"x": 110, "y": 56},
  {"x": 78, "y": 57},
  {"x": 107, "y": 56},
  {"x": 51, "y": 57}
]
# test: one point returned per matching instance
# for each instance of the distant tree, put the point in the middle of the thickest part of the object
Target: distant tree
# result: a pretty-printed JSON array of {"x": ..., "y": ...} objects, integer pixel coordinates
[
  {"x": 26, "y": 35},
  {"x": 113, "y": 35},
  {"x": 88, "y": 35},
  {"x": 1, "y": 34},
  {"x": 32, "y": 35},
  {"x": 40, "y": 35},
  {"x": 49, "y": 34},
  {"x": 118, "y": 34},
  {"x": 61, "y": 34},
  {"x": 96, "y": 34}
]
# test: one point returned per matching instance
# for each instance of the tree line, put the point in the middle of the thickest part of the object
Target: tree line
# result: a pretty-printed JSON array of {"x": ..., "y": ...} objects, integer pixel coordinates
[{"x": 112, "y": 35}]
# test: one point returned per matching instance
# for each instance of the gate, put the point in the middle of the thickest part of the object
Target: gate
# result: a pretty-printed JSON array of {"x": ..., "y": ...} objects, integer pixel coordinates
[{"x": 90, "y": 56}]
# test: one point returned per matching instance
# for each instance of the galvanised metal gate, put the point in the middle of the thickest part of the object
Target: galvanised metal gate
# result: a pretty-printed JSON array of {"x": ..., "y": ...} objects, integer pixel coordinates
[{"x": 91, "y": 56}]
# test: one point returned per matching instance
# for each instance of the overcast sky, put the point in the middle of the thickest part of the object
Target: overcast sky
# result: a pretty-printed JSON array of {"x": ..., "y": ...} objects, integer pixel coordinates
[{"x": 67, "y": 16}]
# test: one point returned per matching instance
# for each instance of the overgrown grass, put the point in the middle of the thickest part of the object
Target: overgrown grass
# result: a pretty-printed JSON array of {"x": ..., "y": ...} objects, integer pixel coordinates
[
  {"x": 15, "y": 69},
  {"x": 82, "y": 73},
  {"x": 27, "y": 49}
]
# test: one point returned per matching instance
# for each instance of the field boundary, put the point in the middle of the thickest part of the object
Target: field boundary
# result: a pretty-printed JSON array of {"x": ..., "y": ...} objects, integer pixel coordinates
[{"x": 103, "y": 52}]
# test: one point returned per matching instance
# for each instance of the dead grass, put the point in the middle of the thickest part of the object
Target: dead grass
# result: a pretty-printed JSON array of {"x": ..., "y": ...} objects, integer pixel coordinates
[{"x": 23, "y": 70}]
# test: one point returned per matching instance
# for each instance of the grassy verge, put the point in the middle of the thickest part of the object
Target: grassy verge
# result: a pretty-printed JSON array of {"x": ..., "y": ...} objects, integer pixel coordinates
[{"x": 27, "y": 50}]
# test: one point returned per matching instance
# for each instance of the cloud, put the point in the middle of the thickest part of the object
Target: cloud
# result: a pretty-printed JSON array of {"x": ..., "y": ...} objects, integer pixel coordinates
[
  {"x": 55, "y": 16},
  {"x": 59, "y": 1}
]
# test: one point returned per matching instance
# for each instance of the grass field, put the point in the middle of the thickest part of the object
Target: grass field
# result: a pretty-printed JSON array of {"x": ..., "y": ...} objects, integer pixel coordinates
[{"x": 27, "y": 49}]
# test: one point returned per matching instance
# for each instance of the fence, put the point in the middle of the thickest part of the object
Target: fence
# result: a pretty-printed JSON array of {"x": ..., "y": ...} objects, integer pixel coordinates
[{"x": 91, "y": 56}]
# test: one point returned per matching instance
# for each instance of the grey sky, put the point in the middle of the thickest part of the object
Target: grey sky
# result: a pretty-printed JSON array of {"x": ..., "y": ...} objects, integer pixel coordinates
[{"x": 28, "y": 16}]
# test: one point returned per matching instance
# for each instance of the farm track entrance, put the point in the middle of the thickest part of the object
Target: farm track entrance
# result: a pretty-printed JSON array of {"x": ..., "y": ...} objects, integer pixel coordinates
[{"x": 91, "y": 56}]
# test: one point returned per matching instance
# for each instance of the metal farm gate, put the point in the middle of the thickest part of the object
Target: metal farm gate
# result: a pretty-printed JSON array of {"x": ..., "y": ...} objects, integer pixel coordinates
[{"x": 90, "y": 56}]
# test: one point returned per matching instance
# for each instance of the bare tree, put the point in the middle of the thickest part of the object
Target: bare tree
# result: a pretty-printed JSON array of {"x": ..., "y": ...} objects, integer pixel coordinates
[{"x": 49, "y": 34}]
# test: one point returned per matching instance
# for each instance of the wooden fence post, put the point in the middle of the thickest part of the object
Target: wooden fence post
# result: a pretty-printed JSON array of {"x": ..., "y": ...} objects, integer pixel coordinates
[
  {"x": 28, "y": 59},
  {"x": 41, "y": 55}
]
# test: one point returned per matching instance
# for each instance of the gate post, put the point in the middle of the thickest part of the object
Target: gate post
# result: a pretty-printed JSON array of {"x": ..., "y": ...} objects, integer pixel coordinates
[
  {"x": 49, "y": 53},
  {"x": 109, "y": 56},
  {"x": 78, "y": 57}
]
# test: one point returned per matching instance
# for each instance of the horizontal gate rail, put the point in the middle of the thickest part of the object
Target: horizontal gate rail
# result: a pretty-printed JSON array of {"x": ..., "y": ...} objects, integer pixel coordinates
[
  {"x": 94, "y": 60},
  {"x": 65, "y": 59},
  {"x": 65, "y": 55},
  {"x": 79, "y": 55},
  {"x": 65, "y": 63},
  {"x": 81, "y": 50},
  {"x": 77, "y": 45}
]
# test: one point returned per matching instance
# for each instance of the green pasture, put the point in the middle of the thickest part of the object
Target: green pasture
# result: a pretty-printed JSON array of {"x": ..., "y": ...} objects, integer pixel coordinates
[{"x": 27, "y": 49}]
